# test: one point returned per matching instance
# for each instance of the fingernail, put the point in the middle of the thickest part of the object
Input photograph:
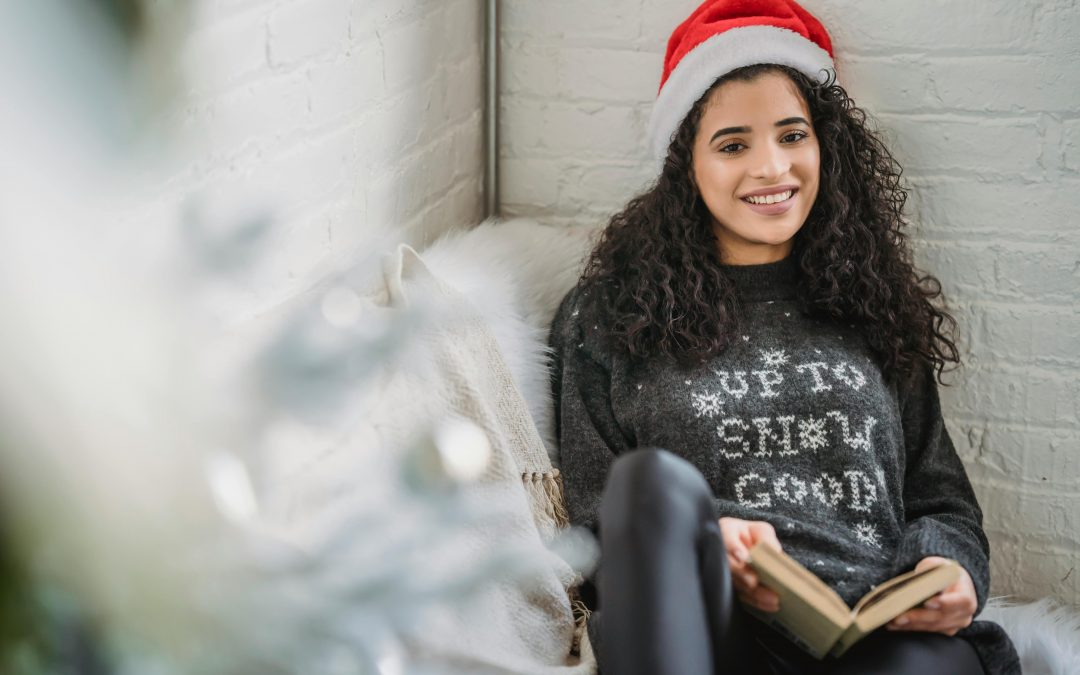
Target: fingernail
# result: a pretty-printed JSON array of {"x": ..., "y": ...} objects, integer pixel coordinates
[
  {"x": 933, "y": 605},
  {"x": 901, "y": 621}
]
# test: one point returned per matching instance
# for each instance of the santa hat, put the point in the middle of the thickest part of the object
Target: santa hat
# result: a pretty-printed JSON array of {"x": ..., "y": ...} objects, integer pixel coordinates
[{"x": 722, "y": 35}]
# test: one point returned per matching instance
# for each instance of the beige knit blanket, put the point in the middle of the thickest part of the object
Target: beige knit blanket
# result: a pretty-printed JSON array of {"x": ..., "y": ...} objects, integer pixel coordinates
[{"x": 536, "y": 626}]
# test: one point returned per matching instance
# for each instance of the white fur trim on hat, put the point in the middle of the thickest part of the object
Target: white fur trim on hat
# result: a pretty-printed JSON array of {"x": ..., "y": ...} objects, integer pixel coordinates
[{"x": 721, "y": 54}]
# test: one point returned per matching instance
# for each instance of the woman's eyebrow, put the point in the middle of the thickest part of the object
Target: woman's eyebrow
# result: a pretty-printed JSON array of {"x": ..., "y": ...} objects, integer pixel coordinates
[{"x": 745, "y": 130}]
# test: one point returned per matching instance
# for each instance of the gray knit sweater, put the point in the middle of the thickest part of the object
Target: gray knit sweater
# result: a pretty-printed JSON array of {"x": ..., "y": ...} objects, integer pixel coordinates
[{"x": 793, "y": 424}]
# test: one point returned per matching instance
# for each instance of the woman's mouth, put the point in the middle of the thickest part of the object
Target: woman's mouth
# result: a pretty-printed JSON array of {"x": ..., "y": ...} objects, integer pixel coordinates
[{"x": 771, "y": 205}]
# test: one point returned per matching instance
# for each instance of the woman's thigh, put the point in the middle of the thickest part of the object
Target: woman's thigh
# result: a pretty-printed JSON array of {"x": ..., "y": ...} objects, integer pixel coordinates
[
  {"x": 908, "y": 653},
  {"x": 664, "y": 587}
]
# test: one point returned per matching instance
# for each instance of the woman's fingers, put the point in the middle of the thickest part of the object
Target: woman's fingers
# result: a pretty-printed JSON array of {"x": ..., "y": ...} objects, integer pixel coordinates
[
  {"x": 954, "y": 601},
  {"x": 947, "y": 612},
  {"x": 732, "y": 530},
  {"x": 737, "y": 558},
  {"x": 767, "y": 599},
  {"x": 919, "y": 619},
  {"x": 751, "y": 591},
  {"x": 762, "y": 598},
  {"x": 745, "y": 580},
  {"x": 739, "y": 536},
  {"x": 947, "y": 619},
  {"x": 764, "y": 531}
]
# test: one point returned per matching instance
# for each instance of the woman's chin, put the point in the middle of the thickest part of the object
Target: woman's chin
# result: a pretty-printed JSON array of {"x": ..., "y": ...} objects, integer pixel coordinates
[
  {"x": 783, "y": 230},
  {"x": 774, "y": 236}
]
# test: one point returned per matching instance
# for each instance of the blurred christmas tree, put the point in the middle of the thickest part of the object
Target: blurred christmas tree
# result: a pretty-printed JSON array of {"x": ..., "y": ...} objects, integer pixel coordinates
[{"x": 135, "y": 533}]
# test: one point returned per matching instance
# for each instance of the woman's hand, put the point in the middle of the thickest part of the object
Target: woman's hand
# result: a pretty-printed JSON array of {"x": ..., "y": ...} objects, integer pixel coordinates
[
  {"x": 947, "y": 612},
  {"x": 739, "y": 537}
]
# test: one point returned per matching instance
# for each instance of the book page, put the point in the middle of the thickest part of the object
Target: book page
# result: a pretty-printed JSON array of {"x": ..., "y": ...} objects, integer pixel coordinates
[
  {"x": 902, "y": 597},
  {"x": 886, "y": 587},
  {"x": 893, "y": 598}
]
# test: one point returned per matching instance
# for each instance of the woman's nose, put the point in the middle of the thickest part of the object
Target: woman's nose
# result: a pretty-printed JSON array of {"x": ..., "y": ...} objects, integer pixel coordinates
[{"x": 772, "y": 163}]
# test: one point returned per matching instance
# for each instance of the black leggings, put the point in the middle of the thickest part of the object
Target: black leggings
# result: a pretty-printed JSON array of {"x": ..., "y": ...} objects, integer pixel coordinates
[{"x": 667, "y": 604}]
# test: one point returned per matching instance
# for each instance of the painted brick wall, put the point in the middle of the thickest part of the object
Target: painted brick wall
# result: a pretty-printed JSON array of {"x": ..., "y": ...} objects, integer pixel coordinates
[
  {"x": 980, "y": 99},
  {"x": 343, "y": 118}
]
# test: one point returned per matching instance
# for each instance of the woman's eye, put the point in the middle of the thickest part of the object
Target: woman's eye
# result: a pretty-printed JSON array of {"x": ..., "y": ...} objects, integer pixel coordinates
[
  {"x": 795, "y": 136},
  {"x": 730, "y": 148}
]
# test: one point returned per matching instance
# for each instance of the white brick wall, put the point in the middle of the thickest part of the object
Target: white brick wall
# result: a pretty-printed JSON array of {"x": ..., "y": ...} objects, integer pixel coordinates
[
  {"x": 346, "y": 118},
  {"x": 980, "y": 99}
]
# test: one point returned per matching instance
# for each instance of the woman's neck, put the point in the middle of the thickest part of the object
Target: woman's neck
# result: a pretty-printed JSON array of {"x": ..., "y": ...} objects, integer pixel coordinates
[
  {"x": 742, "y": 252},
  {"x": 775, "y": 280}
]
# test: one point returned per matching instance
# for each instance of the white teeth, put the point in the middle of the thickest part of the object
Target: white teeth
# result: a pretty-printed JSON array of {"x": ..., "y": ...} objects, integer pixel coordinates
[{"x": 771, "y": 199}]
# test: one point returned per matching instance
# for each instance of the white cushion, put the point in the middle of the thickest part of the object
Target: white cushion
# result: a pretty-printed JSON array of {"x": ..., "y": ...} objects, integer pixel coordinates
[{"x": 1046, "y": 634}]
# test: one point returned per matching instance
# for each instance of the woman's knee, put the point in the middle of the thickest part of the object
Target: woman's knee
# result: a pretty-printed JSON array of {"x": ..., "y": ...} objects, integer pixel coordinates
[
  {"x": 651, "y": 487},
  {"x": 910, "y": 653}
]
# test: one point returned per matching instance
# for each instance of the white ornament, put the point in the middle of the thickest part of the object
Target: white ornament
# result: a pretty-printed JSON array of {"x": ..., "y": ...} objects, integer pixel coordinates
[
  {"x": 463, "y": 449},
  {"x": 342, "y": 307}
]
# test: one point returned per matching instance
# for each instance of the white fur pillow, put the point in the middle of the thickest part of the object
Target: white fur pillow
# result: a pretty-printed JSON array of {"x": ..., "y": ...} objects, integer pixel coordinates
[
  {"x": 516, "y": 272},
  {"x": 1045, "y": 633}
]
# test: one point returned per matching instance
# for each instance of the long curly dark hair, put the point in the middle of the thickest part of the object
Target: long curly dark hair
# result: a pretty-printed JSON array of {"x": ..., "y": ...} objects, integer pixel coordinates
[{"x": 657, "y": 261}]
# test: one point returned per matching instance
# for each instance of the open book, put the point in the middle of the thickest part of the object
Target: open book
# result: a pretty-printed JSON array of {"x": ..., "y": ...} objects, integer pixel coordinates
[{"x": 814, "y": 617}]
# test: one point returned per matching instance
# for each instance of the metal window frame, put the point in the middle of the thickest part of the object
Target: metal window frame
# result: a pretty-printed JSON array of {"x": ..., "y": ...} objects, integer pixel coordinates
[{"x": 491, "y": 108}]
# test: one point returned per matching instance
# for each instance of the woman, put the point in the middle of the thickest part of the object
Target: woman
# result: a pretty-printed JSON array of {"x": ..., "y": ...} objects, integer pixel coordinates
[{"x": 750, "y": 356}]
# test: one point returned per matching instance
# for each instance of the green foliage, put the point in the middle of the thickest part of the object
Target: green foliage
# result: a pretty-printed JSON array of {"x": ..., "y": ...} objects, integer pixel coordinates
[{"x": 128, "y": 16}]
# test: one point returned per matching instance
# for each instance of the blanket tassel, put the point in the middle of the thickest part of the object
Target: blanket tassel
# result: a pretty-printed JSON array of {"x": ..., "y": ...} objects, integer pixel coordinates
[{"x": 545, "y": 489}]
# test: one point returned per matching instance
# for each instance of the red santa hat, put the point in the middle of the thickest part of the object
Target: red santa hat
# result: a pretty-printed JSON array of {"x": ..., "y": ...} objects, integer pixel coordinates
[{"x": 722, "y": 35}]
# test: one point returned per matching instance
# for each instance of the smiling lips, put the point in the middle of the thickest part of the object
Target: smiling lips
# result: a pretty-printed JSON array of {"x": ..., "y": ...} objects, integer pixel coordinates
[{"x": 771, "y": 204}]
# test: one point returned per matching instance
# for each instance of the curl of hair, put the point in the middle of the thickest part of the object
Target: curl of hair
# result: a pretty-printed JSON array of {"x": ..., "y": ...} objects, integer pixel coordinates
[{"x": 657, "y": 262}]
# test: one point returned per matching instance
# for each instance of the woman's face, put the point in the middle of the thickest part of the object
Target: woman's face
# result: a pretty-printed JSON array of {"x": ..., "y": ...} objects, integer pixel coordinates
[{"x": 756, "y": 140}]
